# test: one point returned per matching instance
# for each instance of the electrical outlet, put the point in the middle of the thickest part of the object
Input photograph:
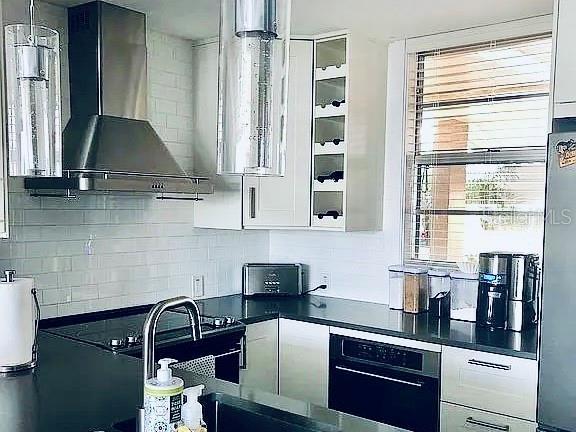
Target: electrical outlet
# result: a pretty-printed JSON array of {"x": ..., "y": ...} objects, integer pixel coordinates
[
  {"x": 325, "y": 279},
  {"x": 89, "y": 245},
  {"x": 199, "y": 286}
]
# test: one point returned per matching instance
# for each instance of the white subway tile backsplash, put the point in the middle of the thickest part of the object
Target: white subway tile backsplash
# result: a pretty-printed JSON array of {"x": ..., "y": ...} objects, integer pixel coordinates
[
  {"x": 101, "y": 251},
  {"x": 357, "y": 263}
]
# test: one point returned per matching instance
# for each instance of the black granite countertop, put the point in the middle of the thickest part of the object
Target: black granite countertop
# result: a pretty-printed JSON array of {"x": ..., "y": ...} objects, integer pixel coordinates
[
  {"x": 81, "y": 388},
  {"x": 376, "y": 318}
]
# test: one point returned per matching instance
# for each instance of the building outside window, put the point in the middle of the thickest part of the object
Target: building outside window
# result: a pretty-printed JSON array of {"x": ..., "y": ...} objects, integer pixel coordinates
[{"x": 477, "y": 124}]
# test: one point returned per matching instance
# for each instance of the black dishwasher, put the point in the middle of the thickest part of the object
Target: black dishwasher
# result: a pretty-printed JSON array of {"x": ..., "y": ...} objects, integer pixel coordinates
[{"x": 390, "y": 384}]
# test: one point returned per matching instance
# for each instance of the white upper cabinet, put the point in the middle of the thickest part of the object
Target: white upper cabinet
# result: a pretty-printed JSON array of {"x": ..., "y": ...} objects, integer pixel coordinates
[
  {"x": 254, "y": 202},
  {"x": 223, "y": 209},
  {"x": 564, "y": 82},
  {"x": 285, "y": 201}
]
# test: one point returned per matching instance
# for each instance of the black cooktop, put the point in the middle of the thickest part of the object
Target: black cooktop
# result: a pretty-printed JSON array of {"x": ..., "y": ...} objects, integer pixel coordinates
[{"x": 125, "y": 331}]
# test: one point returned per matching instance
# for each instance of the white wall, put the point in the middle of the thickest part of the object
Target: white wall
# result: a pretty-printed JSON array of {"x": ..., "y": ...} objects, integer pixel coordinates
[{"x": 101, "y": 252}]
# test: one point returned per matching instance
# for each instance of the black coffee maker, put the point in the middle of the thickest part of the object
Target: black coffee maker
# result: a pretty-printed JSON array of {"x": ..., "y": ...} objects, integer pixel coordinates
[{"x": 493, "y": 290}]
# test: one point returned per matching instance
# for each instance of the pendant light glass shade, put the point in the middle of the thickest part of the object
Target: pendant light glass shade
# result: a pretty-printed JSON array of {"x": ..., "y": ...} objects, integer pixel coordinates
[
  {"x": 33, "y": 101},
  {"x": 254, "y": 64}
]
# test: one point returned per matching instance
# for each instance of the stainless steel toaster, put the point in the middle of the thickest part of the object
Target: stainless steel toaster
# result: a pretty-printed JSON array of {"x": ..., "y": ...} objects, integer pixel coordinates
[{"x": 273, "y": 279}]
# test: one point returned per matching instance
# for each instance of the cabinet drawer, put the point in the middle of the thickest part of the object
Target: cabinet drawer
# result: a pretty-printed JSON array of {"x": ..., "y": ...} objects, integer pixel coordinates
[
  {"x": 491, "y": 382},
  {"x": 454, "y": 418}
]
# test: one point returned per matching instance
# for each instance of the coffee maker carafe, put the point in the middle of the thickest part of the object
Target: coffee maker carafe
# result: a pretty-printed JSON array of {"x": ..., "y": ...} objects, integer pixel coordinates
[{"x": 493, "y": 289}]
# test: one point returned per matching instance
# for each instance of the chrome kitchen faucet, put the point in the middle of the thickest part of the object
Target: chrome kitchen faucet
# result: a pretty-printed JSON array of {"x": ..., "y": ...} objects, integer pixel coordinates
[{"x": 149, "y": 332}]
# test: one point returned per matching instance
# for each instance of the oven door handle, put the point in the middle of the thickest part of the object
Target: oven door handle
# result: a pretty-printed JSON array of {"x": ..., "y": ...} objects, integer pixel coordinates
[
  {"x": 229, "y": 353},
  {"x": 371, "y": 375}
]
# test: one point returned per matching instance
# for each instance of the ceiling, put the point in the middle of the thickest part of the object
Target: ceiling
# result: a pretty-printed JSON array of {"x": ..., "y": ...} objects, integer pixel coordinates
[{"x": 383, "y": 19}]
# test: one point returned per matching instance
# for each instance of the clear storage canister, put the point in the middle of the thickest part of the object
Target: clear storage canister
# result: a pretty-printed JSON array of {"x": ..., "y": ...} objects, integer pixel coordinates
[
  {"x": 396, "y": 287},
  {"x": 463, "y": 296},
  {"x": 438, "y": 282},
  {"x": 415, "y": 290}
]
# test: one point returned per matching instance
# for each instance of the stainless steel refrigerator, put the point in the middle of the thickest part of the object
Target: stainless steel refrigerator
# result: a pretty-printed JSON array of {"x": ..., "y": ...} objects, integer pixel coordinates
[{"x": 557, "y": 380}]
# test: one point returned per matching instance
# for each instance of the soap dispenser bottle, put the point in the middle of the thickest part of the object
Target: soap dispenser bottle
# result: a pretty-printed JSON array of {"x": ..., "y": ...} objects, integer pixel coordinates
[
  {"x": 163, "y": 400},
  {"x": 192, "y": 410}
]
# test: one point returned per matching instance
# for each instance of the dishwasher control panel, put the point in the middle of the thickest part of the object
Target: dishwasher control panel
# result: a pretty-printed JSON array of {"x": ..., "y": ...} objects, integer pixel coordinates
[{"x": 383, "y": 354}]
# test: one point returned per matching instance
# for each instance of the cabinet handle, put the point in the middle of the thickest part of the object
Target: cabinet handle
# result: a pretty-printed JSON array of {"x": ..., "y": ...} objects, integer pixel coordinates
[
  {"x": 473, "y": 421},
  {"x": 243, "y": 359},
  {"x": 399, "y": 381},
  {"x": 489, "y": 365},
  {"x": 252, "y": 193}
]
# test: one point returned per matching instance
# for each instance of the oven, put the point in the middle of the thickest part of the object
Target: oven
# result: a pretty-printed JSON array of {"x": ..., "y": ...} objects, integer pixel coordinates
[{"x": 391, "y": 384}]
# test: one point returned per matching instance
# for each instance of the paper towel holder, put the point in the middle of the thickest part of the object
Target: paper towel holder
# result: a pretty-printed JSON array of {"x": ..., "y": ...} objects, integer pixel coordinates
[{"x": 10, "y": 276}]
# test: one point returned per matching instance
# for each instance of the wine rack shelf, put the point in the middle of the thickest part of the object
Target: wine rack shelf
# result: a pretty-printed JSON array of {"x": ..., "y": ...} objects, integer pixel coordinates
[{"x": 348, "y": 135}]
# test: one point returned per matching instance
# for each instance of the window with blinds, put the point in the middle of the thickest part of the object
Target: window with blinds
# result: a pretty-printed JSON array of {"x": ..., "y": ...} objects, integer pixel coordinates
[{"x": 477, "y": 132}]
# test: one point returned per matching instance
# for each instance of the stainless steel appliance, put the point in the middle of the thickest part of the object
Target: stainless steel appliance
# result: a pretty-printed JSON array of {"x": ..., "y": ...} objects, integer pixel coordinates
[
  {"x": 274, "y": 279},
  {"x": 108, "y": 144},
  {"x": 220, "y": 352},
  {"x": 523, "y": 292},
  {"x": 557, "y": 380},
  {"x": 395, "y": 385},
  {"x": 494, "y": 278},
  {"x": 508, "y": 290}
]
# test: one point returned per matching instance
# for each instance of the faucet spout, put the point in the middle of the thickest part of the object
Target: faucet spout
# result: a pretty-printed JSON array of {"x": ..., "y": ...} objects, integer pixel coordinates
[{"x": 149, "y": 331}]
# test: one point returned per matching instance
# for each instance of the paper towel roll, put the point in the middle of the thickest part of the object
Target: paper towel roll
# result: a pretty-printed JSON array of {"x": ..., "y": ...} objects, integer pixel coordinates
[{"x": 17, "y": 322}]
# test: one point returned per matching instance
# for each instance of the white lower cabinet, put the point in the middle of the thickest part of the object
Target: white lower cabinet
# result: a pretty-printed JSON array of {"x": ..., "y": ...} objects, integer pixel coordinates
[
  {"x": 455, "y": 418},
  {"x": 304, "y": 361},
  {"x": 261, "y": 357},
  {"x": 490, "y": 382}
]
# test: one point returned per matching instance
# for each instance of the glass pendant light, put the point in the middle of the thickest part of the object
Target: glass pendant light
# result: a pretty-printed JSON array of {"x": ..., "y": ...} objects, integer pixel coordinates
[
  {"x": 33, "y": 100},
  {"x": 254, "y": 57}
]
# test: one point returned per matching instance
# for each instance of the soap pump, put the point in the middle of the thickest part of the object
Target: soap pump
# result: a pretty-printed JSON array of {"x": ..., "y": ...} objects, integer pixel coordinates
[
  {"x": 192, "y": 409},
  {"x": 163, "y": 399}
]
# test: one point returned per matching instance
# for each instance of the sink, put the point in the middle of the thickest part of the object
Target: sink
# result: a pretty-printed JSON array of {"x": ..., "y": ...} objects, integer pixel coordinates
[{"x": 224, "y": 413}]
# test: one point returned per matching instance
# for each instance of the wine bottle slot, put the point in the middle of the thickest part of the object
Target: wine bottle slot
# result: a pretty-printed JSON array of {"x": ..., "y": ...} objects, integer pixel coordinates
[{"x": 335, "y": 176}]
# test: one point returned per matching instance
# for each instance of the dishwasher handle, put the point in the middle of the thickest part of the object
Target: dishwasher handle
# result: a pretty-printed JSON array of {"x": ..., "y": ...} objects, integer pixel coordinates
[{"x": 385, "y": 378}]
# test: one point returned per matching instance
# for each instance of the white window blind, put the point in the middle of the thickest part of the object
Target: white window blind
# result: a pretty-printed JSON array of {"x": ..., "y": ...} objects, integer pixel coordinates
[{"x": 476, "y": 136}]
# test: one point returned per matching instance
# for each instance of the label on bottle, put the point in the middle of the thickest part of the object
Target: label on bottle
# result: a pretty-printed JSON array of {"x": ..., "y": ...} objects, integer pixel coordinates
[
  {"x": 175, "y": 408},
  {"x": 162, "y": 413}
]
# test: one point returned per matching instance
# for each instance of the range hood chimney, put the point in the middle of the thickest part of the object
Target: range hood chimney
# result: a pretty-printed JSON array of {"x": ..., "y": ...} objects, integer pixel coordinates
[{"x": 109, "y": 145}]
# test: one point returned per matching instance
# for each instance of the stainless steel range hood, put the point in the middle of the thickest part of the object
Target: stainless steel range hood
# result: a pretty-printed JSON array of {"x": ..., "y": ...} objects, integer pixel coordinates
[{"x": 109, "y": 145}]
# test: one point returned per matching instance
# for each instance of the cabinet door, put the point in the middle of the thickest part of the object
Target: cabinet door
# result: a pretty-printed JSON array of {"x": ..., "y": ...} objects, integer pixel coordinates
[
  {"x": 455, "y": 418},
  {"x": 223, "y": 209},
  {"x": 304, "y": 361},
  {"x": 285, "y": 201},
  {"x": 490, "y": 382},
  {"x": 565, "y": 85},
  {"x": 261, "y": 361}
]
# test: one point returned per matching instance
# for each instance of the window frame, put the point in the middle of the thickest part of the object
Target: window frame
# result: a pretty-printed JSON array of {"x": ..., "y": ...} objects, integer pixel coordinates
[{"x": 458, "y": 39}]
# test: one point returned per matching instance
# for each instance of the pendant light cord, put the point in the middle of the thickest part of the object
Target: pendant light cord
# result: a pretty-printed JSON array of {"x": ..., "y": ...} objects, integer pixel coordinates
[{"x": 32, "y": 37}]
